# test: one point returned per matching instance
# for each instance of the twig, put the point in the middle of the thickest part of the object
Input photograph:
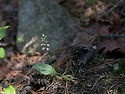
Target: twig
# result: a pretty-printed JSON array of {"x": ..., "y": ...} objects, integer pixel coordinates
[
  {"x": 104, "y": 36},
  {"x": 50, "y": 85},
  {"x": 113, "y": 86},
  {"x": 97, "y": 82},
  {"x": 110, "y": 9},
  {"x": 3, "y": 44},
  {"x": 121, "y": 30},
  {"x": 34, "y": 39},
  {"x": 66, "y": 90}
]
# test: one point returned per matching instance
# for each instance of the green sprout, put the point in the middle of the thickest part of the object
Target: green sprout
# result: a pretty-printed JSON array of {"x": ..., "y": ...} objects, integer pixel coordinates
[
  {"x": 9, "y": 90},
  {"x": 65, "y": 77},
  {"x": 20, "y": 39},
  {"x": 2, "y": 52},
  {"x": 2, "y": 35}
]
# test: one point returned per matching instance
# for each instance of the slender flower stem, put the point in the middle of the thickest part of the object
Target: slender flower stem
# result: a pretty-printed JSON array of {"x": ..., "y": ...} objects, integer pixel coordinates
[
  {"x": 49, "y": 57},
  {"x": 97, "y": 26}
]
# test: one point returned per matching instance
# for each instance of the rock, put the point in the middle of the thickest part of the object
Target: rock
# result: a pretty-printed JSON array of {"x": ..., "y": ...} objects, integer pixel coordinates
[{"x": 37, "y": 17}]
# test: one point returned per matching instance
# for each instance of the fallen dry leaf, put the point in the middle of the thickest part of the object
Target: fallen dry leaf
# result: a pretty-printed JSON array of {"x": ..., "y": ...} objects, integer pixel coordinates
[
  {"x": 3, "y": 71},
  {"x": 116, "y": 23},
  {"x": 107, "y": 43},
  {"x": 110, "y": 44}
]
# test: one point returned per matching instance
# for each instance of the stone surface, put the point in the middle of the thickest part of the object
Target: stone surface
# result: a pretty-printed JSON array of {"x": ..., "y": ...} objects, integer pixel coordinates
[{"x": 37, "y": 17}]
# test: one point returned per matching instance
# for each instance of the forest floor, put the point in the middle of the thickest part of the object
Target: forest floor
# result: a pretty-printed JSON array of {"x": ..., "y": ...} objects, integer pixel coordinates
[{"x": 102, "y": 71}]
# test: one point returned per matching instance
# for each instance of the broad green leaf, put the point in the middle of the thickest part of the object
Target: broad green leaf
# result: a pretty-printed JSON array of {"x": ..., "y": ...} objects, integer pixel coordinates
[
  {"x": 2, "y": 52},
  {"x": 3, "y": 31},
  {"x": 20, "y": 39},
  {"x": 65, "y": 77},
  {"x": 45, "y": 69},
  {"x": 88, "y": 1},
  {"x": 9, "y": 90}
]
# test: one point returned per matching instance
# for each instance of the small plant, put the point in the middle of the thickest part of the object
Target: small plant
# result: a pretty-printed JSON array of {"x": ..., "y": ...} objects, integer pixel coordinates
[
  {"x": 20, "y": 39},
  {"x": 45, "y": 46},
  {"x": 2, "y": 35},
  {"x": 45, "y": 68},
  {"x": 9, "y": 90}
]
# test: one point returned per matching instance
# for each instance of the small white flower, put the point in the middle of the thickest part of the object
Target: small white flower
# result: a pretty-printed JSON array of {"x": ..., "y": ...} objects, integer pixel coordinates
[
  {"x": 48, "y": 45},
  {"x": 43, "y": 48},
  {"x": 42, "y": 44},
  {"x": 47, "y": 49}
]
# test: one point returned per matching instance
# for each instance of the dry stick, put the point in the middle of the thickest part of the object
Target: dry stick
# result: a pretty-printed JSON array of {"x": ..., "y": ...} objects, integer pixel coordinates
[
  {"x": 121, "y": 30},
  {"x": 3, "y": 44},
  {"x": 101, "y": 77},
  {"x": 101, "y": 35},
  {"x": 97, "y": 26},
  {"x": 66, "y": 91}
]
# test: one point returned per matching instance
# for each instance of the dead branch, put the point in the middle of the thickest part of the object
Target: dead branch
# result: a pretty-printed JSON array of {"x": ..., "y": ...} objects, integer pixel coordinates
[{"x": 104, "y": 36}]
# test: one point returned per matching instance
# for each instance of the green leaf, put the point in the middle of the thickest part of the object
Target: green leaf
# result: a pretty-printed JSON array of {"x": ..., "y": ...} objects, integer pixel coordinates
[
  {"x": 2, "y": 52},
  {"x": 9, "y": 90},
  {"x": 20, "y": 39},
  {"x": 3, "y": 31},
  {"x": 65, "y": 77},
  {"x": 45, "y": 69},
  {"x": 88, "y": 1}
]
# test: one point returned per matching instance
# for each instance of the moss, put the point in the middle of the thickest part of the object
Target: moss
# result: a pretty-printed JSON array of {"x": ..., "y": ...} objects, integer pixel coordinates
[
  {"x": 118, "y": 68},
  {"x": 99, "y": 56},
  {"x": 121, "y": 89},
  {"x": 121, "y": 64}
]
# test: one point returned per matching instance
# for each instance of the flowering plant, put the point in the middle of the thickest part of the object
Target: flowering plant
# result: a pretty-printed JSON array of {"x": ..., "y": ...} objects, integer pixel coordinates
[
  {"x": 45, "y": 68},
  {"x": 45, "y": 46}
]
